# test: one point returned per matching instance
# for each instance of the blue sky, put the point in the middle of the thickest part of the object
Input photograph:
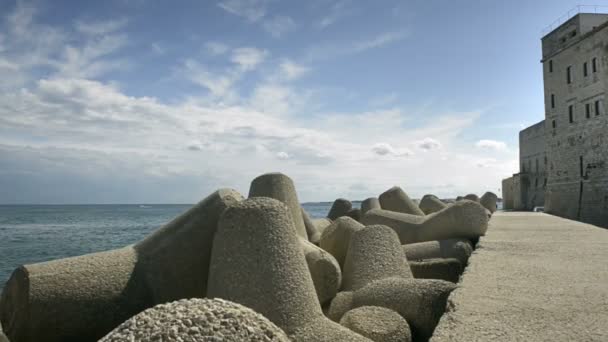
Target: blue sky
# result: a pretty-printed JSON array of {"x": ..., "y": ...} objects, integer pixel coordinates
[{"x": 124, "y": 101}]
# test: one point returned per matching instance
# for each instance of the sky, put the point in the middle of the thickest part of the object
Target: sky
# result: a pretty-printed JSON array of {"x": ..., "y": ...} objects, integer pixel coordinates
[{"x": 141, "y": 101}]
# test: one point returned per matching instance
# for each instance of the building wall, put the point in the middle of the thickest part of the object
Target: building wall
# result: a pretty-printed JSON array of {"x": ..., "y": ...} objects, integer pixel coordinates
[
  {"x": 577, "y": 143},
  {"x": 507, "y": 193},
  {"x": 533, "y": 165}
]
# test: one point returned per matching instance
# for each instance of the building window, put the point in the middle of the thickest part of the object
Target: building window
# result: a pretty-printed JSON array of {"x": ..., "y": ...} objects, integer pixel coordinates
[
  {"x": 571, "y": 113},
  {"x": 569, "y": 74},
  {"x": 551, "y": 66},
  {"x": 594, "y": 64},
  {"x": 552, "y": 100},
  {"x": 523, "y": 167},
  {"x": 597, "y": 107},
  {"x": 553, "y": 123},
  {"x": 536, "y": 162},
  {"x": 588, "y": 110},
  {"x": 536, "y": 183},
  {"x": 545, "y": 183},
  {"x": 530, "y": 165},
  {"x": 585, "y": 69}
]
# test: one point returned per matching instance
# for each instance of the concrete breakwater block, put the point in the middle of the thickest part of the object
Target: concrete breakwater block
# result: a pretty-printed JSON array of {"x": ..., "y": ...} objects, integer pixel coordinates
[
  {"x": 280, "y": 187},
  {"x": 257, "y": 261},
  {"x": 471, "y": 197},
  {"x": 324, "y": 270},
  {"x": 314, "y": 235},
  {"x": 355, "y": 214},
  {"x": 420, "y": 301},
  {"x": 378, "y": 324},
  {"x": 83, "y": 298},
  {"x": 395, "y": 199},
  {"x": 448, "y": 269},
  {"x": 431, "y": 204},
  {"x": 460, "y": 249},
  {"x": 170, "y": 254},
  {"x": 488, "y": 200},
  {"x": 369, "y": 204},
  {"x": 464, "y": 219},
  {"x": 336, "y": 237},
  {"x": 197, "y": 320},
  {"x": 374, "y": 253},
  {"x": 339, "y": 208}
]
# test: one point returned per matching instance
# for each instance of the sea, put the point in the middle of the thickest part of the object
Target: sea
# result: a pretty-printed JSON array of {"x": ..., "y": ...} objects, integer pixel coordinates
[{"x": 36, "y": 233}]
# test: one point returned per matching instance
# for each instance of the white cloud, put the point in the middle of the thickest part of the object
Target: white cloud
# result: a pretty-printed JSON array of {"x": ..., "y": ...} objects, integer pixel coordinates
[
  {"x": 84, "y": 131},
  {"x": 216, "y": 48},
  {"x": 248, "y": 58},
  {"x": 384, "y": 149},
  {"x": 219, "y": 85},
  {"x": 282, "y": 155},
  {"x": 428, "y": 144},
  {"x": 329, "y": 50},
  {"x": 379, "y": 40},
  {"x": 279, "y": 25},
  {"x": 158, "y": 49},
  {"x": 252, "y": 10},
  {"x": 336, "y": 12},
  {"x": 291, "y": 70},
  {"x": 491, "y": 145}
]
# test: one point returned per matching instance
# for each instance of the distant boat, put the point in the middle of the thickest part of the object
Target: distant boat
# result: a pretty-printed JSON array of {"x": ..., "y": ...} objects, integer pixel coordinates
[{"x": 144, "y": 206}]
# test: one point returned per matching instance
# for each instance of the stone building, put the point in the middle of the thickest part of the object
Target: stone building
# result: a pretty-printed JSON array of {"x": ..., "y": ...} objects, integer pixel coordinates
[
  {"x": 575, "y": 72},
  {"x": 526, "y": 189}
]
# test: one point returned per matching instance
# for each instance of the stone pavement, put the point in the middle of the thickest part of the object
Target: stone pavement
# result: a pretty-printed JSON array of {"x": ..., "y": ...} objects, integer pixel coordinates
[{"x": 533, "y": 277}]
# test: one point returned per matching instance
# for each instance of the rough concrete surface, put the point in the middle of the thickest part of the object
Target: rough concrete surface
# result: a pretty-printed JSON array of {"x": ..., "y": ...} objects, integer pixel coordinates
[
  {"x": 395, "y": 199},
  {"x": 464, "y": 219},
  {"x": 374, "y": 253},
  {"x": 257, "y": 261},
  {"x": 336, "y": 238},
  {"x": 420, "y": 301},
  {"x": 339, "y": 208},
  {"x": 378, "y": 324},
  {"x": 280, "y": 187},
  {"x": 430, "y": 204},
  {"x": 448, "y": 269},
  {"x": 533, "y": 277},
  {"x": 324, "y": 270},
  {"x": 369, "y": 204},
  {"x": 311, "y": 230},
  {"x": 194, "y": 320},
  {"x": 460, "y": 249}
]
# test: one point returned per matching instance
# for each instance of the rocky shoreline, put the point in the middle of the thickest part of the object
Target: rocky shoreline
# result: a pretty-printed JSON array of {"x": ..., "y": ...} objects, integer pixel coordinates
[{"x": 382, "y": 272}]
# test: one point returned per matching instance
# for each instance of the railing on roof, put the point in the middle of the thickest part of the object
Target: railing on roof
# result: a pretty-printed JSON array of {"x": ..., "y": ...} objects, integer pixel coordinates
[{"x": 571, "y": 13}]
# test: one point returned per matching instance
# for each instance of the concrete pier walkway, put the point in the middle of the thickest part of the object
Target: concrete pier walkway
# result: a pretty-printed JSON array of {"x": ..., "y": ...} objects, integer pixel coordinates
[{"x": 533, "y": 277}]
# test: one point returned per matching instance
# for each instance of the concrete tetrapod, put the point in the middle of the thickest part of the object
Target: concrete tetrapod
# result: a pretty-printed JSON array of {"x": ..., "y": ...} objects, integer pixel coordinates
[
  {"x": 336, "y": 237},
  {"x": 488, "y": 200},
  {"x": 82, "y": 298},
  {"x": 378, "y": 324},
  {"x": 355, "y": 214},
  {"x": 339, "y": 208},
  {"x": 464, "y": 219},
  {"x": 193, "y": 320},
  {"x": 257, "y": 261},
  {"x": 369, "y": 204},
  {"x": 395, "y": 199},
  {"x": 448, "y": 269},
  {"x": 460, "y": 249},
  {"x": 324, "y": 271},
  {"x": 321, "y": 224},
  {"x": 374, "y": 253},
  {"x": 430, "y": 204},
  {"x": 280, "y": 187},
  {"x": 471, "y": 197},
  {"x": 420, "y": 301},
  {"x": 311, "y": 230}
]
